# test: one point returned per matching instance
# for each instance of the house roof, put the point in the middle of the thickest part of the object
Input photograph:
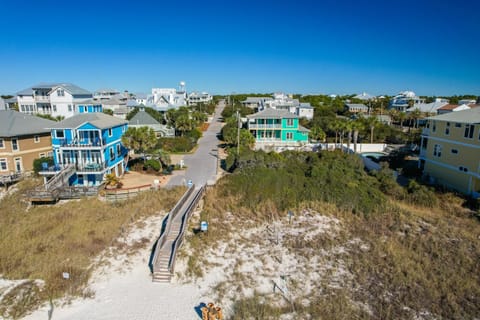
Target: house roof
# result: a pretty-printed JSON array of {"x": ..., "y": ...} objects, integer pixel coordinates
[
  {"x": 73, "y": 89},
  {"x": 29, "y": 91},
  {"x": 448, "y": 107},
  {"x": 364, "y": 96},
  {"x": 303, "y": 129},
  {"x": 270, "y": 113},
  {"x": 97, "y": 119},
  {"x": 305, "y": 105},
  {"x": 256, "y": 99},
  {"x": 428, "y": 107},
  {"x": 69, "y": 87},
  {"x": 143, "y": 118},
  {"x": 14, "y": 123},
  {"x": 464, "y": 116}
]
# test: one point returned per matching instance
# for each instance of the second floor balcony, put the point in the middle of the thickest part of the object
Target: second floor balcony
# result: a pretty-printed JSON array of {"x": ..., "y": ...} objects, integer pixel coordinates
[
  {"x": 42, "y": 98},
  {"x": 265, "y": 126},
  {"x": 81, "y": 143}
]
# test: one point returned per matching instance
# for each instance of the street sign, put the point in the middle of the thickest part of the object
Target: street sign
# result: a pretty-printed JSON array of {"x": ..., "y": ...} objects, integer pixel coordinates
[{"x": 204, "y": 226}]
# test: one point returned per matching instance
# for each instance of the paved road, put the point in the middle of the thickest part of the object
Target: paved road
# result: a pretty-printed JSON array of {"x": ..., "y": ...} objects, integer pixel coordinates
[{"x": 202, "y": 165}]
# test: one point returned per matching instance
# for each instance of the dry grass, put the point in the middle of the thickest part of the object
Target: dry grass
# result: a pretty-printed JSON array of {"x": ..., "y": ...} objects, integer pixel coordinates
[
  {"x": 42, "y": 242},
  {"x": 409, "y": 262}
]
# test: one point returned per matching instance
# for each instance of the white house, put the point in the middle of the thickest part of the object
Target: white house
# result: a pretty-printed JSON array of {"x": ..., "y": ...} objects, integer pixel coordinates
[
  {"x": 105, "y": 94},
  {"x": 199, "y": 97},
  {"x": 55, "y": 99}
]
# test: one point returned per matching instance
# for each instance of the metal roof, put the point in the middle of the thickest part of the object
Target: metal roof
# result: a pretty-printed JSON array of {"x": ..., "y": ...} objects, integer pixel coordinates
[
  {"x": 73, "y": 89},
  {"x": 143, "y": 118},
  {"x": 464, "y": 116},
  {"x": 356, "y": 105},
  {"x": 69, "y": 87},
  {"x": 14, "y": 123},
  {"x": 270, "y": 113},
  {"x": 97, "y": 119}
]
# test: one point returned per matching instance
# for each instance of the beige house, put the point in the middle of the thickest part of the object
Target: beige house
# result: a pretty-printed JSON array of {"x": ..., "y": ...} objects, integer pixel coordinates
[
  {"x": 450, "y": 151},
  {"x": 23, "y": 138}
]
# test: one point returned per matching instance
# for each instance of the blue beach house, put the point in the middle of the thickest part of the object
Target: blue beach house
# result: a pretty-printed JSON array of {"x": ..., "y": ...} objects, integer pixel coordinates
[{"x": 91, "y": 144}]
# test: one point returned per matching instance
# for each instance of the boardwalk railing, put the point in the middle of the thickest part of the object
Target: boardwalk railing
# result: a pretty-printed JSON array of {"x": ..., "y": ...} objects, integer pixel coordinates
[
  {"x": 171, "y": 238},
  {"x": 186, "y": 216},
  {"x": 125, "y": 193},
  {"x": 171, "y": 216}
]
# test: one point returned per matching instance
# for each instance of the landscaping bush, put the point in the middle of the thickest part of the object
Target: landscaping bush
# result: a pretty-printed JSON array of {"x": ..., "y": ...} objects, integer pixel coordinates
[
  {"x": 153, "y": 164},
  {"x": 177, "y": 144},
  {"x": 37, "y": 163}
]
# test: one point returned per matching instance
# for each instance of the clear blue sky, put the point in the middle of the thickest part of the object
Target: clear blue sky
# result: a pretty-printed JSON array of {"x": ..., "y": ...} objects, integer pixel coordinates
[{"x": 324, "y": 46}]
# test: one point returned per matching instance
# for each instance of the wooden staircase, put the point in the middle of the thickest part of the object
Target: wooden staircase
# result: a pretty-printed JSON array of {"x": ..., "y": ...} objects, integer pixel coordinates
[{"x": 170, "y": 240}]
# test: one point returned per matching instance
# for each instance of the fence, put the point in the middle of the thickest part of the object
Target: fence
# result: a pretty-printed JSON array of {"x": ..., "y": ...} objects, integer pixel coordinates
[{"x": 125, "y": 193}]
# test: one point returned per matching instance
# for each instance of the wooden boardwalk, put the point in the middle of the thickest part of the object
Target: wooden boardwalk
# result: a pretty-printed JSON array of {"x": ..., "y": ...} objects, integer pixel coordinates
[{"x": 163, "y": 262}]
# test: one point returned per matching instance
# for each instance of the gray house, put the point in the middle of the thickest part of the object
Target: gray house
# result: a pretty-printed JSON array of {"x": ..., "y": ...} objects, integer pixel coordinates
[{"x": 143, "y": 119}]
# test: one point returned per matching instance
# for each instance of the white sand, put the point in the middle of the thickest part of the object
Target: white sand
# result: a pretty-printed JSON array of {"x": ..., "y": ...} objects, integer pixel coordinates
[{"x": 124, "y": 290}]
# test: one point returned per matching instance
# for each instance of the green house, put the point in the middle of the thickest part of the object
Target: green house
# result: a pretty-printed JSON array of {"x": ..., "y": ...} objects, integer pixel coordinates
[{"x": 276, "y": 128}]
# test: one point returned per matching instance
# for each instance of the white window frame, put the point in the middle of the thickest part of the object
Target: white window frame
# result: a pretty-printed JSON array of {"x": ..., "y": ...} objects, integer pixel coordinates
[
  {"x": 119, "y": 150},
  {"x": 60, "y": 93},
  {"x": 18, "y": 144},
  {"x": 289, "y": 135},
  {"x": 36, "y": 138},
  {"x": 110, "y": 132},
  {"x": 2, "y": 143},
  {"x": 437, "y": 150},
  {"x": 41, "y": 155},
  {"x": 290, "y": 122},
  {"x": 3, "y": 160},
  {"x": 15, "y": 164},
  {"x": 111, "y": 152},
  {"x": 57, "y": 131}
]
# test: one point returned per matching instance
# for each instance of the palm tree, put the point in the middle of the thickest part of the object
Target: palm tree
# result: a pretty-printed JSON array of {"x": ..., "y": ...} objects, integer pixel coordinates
[
  {"x": 371, "y": 123},
  {"x": 139, "y": 139},
  {"x": 401, "y": 117},
  {"x": 356, "y": 127},
  {"x": 163, "y": 157}
]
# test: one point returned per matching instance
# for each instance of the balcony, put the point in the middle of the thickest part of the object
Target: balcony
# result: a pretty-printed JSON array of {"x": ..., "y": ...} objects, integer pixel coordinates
[
  {"x": 80, "y": 168},
  {"x": 258, "y": 126},
  {"x": 45, "y": 99},
  {"x": 91, "y": 167},
  {"x": 81, "y": 143}
]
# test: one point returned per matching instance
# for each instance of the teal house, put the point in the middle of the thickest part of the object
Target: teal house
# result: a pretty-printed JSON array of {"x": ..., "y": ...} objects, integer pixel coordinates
[{"x": 277, "y": 129}]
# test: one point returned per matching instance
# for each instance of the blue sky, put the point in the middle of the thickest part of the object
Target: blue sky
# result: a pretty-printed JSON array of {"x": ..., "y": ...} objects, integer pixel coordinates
[{"x": 381, "y": 47}]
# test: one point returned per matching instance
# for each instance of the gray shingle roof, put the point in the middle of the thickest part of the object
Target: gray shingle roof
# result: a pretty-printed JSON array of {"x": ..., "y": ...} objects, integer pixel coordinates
[
  {"x": 270, "y": 113},
  {"x": 97, "y": 119},
  {"x": 464, "y": 116},
  {"x": 356, "y": 105},
  {"x": 73, "y": 89},
  {"x": 143, "y": 118},
  {"x": 13, "y": 123}
]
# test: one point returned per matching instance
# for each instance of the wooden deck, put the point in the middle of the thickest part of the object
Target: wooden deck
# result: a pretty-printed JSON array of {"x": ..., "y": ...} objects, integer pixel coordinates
[{"x": 163, "y": 262}]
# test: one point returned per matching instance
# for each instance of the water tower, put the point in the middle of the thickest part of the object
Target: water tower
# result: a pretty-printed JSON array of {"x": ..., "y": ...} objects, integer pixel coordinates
[{"x": 181, "y": 87}]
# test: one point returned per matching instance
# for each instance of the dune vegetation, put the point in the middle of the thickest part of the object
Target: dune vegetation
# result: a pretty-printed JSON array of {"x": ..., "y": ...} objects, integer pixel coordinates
[{"x": 406, "y": 252}]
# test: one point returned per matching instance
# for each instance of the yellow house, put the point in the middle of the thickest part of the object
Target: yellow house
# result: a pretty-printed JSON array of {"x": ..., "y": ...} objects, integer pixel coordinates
[
  {"x": 23, "y": 138},
  {"x": 450, "y": 151}
]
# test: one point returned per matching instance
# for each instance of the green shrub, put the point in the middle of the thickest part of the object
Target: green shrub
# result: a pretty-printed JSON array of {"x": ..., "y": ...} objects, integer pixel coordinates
[
  {"x": 37, "y": 163},
  {"x": 153, "y": 164},
  {"x": 177, "y": 144},
  {"x": 421, "y": 195}
]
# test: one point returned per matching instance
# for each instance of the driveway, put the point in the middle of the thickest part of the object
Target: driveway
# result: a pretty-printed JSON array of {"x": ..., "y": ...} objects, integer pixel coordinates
[{"x": 202, "y": 165}]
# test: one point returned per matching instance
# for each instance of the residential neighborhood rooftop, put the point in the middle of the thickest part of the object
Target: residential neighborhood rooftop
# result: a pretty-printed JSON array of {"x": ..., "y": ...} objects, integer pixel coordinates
[
  {"x": 270, "y": 113},
  {"x": 464, "y": 116},
  {"x": 143, "y": 118},
  {"x": 13, "y": 123},
  {"x": 97, "y": 119}
]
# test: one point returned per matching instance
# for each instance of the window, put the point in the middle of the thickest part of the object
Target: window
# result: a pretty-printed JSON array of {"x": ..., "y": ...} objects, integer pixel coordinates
[
  {"x": 60, "y": 133},
  {"x": 60, "y": 93},
  {"x": 112, "y": 154},
  {"x": 41, "y": 155},
  {"x": 434, "y": 126},
  {"x": 36, "y": 139},
  {"x": 458, "y": 125},
  {"x": 454, "y": 151},
  {"x": 49, "y": 154},
  {"x": 54, "y": 108},
  {"x": 437, "y": 150},
  {"x": 463, "y": 169},
  {"x": 469, "y": 128},
  {"x": 3, "y": 165},
  {"x": 289, "y": 136},
  {"x": 69, "y": 107},
  {"x": 289, "y": 122},
  {"x": 2, "y": 144},
  {"x": 110, "y": 132},
  {"x": 447, "y": 131},
  {"x": 15, "y": 144},
  {"x": 119, "y": 150}
]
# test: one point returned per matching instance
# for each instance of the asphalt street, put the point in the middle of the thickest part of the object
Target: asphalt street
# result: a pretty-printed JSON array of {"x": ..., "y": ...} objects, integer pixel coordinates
[{"x": 202, "y": 165}]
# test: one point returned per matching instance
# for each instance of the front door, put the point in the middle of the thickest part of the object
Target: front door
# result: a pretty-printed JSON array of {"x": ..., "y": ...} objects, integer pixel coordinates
[{"x": 18, "y": 164}]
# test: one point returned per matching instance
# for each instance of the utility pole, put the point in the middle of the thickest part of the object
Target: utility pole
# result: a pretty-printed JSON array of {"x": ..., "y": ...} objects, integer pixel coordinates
[{"x": 238, "y": 134}]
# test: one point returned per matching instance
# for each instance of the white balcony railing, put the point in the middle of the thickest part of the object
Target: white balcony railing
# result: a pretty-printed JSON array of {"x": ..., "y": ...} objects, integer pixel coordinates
[{"x": 257, "y": 126}]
